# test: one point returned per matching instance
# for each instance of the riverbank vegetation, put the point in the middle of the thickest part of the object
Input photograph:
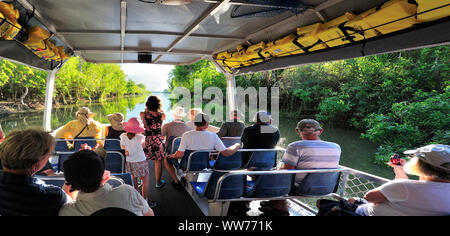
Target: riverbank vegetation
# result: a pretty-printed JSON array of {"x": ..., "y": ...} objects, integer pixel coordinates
[
  {"x": 398, "y": 100},
  {"x": 75, "y": 81}
]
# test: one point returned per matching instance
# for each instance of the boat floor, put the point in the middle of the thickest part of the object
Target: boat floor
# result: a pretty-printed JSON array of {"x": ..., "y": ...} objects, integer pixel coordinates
[{"x": 178, "y": 202}]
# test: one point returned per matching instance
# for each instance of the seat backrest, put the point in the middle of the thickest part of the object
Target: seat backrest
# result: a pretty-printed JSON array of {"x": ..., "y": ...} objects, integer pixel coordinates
[
  {"x": 53, "y": 180},
  {"x": 232, "y": 162},
  {"x": 175, "y": 144},
  {"x": 112, "y": 145},
  {"x": 317, "y": 184},
  {"x": 88, "y": 140},
  {"x": 262, "y": 160},
  {"x": 126, "y": 177},
  {"x": 115, "y": 162},
  {"x": 274, "y": 185},
  {"x": 199, "y": 160},
  {"x": 61, "y": 159},
  {"x": 61, "y": 146},
  {"x": 232, "y": 186},
  {"x": 230, "y": 141}
]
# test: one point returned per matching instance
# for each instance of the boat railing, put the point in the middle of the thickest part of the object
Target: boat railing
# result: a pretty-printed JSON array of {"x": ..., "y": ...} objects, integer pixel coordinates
[{"x": 352, "y": 183}]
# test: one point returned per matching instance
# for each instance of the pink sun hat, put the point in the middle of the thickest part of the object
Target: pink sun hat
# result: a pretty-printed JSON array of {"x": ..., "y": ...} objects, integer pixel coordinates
[{"x": 134, "y": 125}]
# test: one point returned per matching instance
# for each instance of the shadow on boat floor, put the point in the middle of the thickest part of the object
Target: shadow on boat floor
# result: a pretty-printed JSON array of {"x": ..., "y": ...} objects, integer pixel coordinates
[{"x": 171, "y": 201}]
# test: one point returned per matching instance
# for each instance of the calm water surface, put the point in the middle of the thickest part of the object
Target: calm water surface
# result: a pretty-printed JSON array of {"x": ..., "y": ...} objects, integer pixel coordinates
[{"x": 357, "y": 153}]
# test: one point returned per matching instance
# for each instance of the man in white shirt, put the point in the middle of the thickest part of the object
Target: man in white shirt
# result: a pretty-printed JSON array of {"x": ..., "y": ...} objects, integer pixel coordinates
[{"x": 198, "y": 139}]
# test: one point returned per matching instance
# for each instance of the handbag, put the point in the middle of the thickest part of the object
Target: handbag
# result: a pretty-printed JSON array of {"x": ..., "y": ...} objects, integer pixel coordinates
[{"x": 336, "y": 208}]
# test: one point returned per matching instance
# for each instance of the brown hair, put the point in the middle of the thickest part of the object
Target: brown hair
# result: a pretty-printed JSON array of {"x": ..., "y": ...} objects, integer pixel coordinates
[
  {"x": 23, "y": 148},
  {"x": 130, "y": 135}
]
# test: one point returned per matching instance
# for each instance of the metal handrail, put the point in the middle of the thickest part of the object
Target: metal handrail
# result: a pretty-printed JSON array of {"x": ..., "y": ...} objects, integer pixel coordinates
[
  {"x": 246, "y": 172},
  {"x": 117, "y": 152},
  {"x": 212, "y": 151}
]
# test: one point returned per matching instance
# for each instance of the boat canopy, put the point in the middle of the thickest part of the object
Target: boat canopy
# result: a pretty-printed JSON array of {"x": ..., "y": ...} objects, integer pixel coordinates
[{"x": 240, "y": 36}]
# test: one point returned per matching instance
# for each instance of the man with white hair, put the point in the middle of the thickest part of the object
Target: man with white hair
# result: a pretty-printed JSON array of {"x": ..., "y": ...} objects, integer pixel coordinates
[{"x": 176, "y": 128}]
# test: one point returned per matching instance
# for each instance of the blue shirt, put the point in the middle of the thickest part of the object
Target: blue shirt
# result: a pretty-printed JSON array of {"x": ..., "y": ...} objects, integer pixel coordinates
[{"x": 25, "y": 195}]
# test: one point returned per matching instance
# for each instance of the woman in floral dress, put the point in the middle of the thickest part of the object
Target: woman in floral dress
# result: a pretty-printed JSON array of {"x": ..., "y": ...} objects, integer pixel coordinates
[{"x": 152, "y": 118}]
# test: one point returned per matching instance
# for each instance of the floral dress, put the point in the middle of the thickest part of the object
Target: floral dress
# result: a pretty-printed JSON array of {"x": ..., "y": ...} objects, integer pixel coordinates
[{"x": 154, "y": 146}]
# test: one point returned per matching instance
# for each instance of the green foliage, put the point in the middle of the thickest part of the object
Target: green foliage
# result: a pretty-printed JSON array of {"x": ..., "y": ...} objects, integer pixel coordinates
[
  {"x": 399, "y": 100},
  {"x": 75, "y": 81}
]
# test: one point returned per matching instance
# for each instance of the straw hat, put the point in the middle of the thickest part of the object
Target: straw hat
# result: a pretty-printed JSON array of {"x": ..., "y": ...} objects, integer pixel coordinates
[
  {"x": 116, "y": 120},
  {"x": 85, "y": 111},
  {"x": 178, "y": 113},
  {"x": 84, "y": 115},
  {"x": 134, "y": 125}
]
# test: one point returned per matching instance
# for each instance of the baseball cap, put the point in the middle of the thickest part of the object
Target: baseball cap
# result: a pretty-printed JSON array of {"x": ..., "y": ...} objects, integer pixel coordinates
[
  {"x": 437, "y": 155},
  {"x": 263, "y": 116}
]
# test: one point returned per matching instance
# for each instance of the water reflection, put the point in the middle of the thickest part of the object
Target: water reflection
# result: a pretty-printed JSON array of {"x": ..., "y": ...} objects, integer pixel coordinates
[{"x": 357, "y": 153}]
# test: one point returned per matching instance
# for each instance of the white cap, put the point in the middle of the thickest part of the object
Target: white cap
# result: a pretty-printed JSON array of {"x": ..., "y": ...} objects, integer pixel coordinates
[{"x": 437, "y": 155}]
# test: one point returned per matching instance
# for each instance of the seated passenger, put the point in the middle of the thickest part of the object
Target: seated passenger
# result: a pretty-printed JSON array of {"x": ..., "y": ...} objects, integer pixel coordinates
[
  {"x": 191, "y": 115},
  {"x": 23, "y": 153},
  {"x": 115, "y": 129},
  {"x": 428, "y": 196},
  {"x": 176, "y": 128},
  {"x": 198, "y": 139},
  {"x": 232, "y": 128},
  {"x": 84, "y": 126},
  {"x": 86, "y": 179},
  {"x": 308, "y": 153},
  {"x": 261, "y": 135}
]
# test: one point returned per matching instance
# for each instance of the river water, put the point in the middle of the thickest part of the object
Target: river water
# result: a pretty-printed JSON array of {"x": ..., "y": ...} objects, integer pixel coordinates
[{"x": 357, "y": 153}]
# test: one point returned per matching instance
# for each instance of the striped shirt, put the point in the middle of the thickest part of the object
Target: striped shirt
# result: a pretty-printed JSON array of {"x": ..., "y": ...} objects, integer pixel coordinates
[
  {"x": 21, "y": 195},
  {"x": 311, "y": 154}
]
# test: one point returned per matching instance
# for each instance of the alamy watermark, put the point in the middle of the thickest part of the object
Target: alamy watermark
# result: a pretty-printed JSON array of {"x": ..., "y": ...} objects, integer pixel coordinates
[{"x": 247, "y": 101}]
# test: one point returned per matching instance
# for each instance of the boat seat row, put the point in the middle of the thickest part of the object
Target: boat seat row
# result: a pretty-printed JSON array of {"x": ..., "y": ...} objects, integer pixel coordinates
[
  {"x": 233, "y": 185},
  {"x": 115, "y": 180}
]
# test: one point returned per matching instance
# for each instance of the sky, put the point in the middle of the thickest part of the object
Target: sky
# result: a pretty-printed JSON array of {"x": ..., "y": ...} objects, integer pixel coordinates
[{"x": 154, "y": 77}]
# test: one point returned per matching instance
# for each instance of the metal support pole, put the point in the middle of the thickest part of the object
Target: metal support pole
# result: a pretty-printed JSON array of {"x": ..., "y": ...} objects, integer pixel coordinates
[
  {"x": 50, "y": 87},
  {"x": 231, "y": 93}
]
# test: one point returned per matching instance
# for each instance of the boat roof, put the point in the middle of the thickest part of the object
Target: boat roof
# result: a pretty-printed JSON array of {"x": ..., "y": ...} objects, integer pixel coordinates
[{"x": 105, "y": 31}]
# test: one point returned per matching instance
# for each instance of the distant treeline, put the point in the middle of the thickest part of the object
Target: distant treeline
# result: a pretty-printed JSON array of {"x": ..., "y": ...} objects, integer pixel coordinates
[
  {"x": 399, "y": 100},
  {"x": 75, "y": 81}
]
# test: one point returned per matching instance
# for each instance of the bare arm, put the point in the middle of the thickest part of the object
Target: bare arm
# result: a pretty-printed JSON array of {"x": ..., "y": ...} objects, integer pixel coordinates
[
  {"x": 375, "y": 196},
  {"x": 231, "y": 150}
]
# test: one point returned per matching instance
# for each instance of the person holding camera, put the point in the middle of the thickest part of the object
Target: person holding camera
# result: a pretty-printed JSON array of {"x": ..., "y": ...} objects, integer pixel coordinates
[{"x": 428, "y": 196}]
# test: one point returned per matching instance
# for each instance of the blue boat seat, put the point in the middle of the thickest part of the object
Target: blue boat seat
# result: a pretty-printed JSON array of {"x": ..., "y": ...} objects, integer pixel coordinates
[
  {"x": 318, "y": 184},
  {"x": 172, "y": 144},
  {"x": 232, "y": 162},
  {"x": 125, "y": 177},
  {"x": 115, "y": 162},
  {"x": 230, "y": 141},
  {"x": 61, "y": 146},
  {"x": 112, "y": 145},
  {"x": 262, "y": 160},
  {"x": 61, "y": 158},
  {"x": 88, "y": 140},
  {"x": 232, "y": 186},
  {"x": 275, "y": 185},
  {"x": 199, "y": 160}
]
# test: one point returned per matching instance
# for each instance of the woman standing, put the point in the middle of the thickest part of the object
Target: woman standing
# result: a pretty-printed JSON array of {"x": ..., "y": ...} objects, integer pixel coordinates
[{"x": 152, "y": 118}]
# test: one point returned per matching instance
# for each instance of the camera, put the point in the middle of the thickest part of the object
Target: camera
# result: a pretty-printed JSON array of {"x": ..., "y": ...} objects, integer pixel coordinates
[{"x": 395, "y": 159}]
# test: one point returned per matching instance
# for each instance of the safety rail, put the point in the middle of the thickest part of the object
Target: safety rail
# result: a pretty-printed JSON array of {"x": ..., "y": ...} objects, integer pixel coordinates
[
  {"x": 215, "y": 152},
  {"x": 219, "y": 207},
  {"x": 122, "y": 157},
  {"x": 352, "y": 183}
]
